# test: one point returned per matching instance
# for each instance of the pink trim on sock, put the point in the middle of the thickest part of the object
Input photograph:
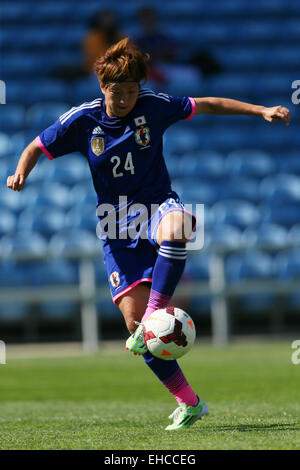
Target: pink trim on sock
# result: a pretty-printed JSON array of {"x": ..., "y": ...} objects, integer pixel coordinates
[
  {"x": 43, "y": 148},
  {"x": 186, "y": 395},
  {"x": 176, "y": 382},
  {"x": 150, "y": 309},
  {"x": 156, "y": 301}
]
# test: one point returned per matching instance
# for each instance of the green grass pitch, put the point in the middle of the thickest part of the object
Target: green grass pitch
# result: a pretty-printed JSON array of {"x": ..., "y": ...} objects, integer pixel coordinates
[{"x": 112, "y": 401}]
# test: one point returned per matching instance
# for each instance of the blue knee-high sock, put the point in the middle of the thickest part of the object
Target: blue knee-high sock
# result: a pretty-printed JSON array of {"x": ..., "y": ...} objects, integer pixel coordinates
[{"x": 167, "y": 272}]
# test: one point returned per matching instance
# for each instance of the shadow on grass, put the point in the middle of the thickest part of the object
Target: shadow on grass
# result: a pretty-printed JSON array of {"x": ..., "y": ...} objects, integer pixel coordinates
[{"x": 261, "y": 427}]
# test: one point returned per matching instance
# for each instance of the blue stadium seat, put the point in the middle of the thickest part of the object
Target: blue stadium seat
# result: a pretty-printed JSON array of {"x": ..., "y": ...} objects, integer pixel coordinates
[
  {"x": 197, "y": 267},
  {"x": 287, "y": 214},
  {"x": 82, "y": 217},
  {"x": 230, "y": 84},
  {"x": 252, "y": 265},
  {"x": 203, "y": 164},
  {"x": 53, "y": 272},
  {"x": 7, "y": 221},
  {"x": 223, "y": 237},
  {"x": 58, "y": 311},
  {"x": 272, "y": 83},
  {"x": 294, "y": 235},
  {"x": 286, "y": 57},
  {"x": 265, "y": 236},
  {"x": 56, "y": 272},
  {"x": 259, "y": 31},
  {"x": 225, "y": 138},
  {"x": 289, "y": 164},
  {"x": 239, "y": 188},
  {"x": 73, "y": 243},
  {"x": 172, "y": 162},
  {"x": 12, "y": 117},
  {"x": 45, "y": 220},
  {"x": 37, "y": 90},
  {"x": 183, "y": 80},
  {"x": 29, "y": 63},
  {"x": 82, "y": 194},
  {"x": 5, "y": 144},
  {"x": 178, "y": 141},
  {"x": 287, "y": 268},
  {"x": 195, "y": 191},
  {"x": 100, "y": 272},
  {"x": 107, "y": 310},
  {"x": 287, "y": 265},
  {"x": 239, "y": 59},
  {"x": 23, "y": 244},
  {"x": 280, "y": 189},
  {"x": 249, "y": 163},
  {"x": 13, "y": 312},
  {"x": 47, "y": 11},
  {"x": 12, "y": 274},
  {"x": 84, "y": 90},
  {"x": 235, "y": 212},
  {"x": 48, "y": 194},
  {"x": 12, "y": 200},
  {"x": 70, "y": 170},
  {"x": 38, "y": 177},
  {"x": 11, "y": 12},
  {"x": 41, "y": 115},
  {"x": 3, "y": 171}
]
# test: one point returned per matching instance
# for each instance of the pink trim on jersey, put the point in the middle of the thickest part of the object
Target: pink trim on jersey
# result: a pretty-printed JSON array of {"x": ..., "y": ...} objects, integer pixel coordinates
[
  {"x": 127, "y": 289},
  {"x": 43, "y": 148},
  {"x": 193, "y": 103},
  {"x": 167, "y": 212}
]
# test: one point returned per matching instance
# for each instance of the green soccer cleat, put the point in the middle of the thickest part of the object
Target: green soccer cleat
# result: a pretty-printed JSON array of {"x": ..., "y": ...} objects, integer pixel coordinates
[
  {"x": 136, "y": 343},
  {"x": 184, "y": 416}
]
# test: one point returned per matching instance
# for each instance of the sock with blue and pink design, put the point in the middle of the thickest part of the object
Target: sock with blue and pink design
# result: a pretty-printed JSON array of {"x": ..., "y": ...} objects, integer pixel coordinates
[{"x": 167, "y": 273}]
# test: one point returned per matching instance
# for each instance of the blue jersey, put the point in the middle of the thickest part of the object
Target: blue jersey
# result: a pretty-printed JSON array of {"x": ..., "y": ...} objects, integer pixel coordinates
[{"x": 125, "y": 155}]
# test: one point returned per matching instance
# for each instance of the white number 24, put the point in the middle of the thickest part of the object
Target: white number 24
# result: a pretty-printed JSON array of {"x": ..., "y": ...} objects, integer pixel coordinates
[{"x": 128, "y": 166}]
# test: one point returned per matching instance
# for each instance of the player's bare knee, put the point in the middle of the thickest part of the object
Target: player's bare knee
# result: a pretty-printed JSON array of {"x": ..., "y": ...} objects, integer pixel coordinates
[{"x": 176, "y": 227}]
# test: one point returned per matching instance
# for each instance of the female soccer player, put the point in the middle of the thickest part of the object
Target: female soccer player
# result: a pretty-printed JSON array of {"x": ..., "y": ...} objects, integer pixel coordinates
[{"x": 121, "y": 137}]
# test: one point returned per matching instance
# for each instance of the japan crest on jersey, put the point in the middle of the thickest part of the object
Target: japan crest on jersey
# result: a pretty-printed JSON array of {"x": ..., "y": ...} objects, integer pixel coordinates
[
  {"x": 115, "y": 279},
  {"x": 142, "y": 136}
]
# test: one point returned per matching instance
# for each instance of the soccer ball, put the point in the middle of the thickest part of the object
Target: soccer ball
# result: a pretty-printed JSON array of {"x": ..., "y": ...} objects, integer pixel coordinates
[{"x": 169, "y": 333}]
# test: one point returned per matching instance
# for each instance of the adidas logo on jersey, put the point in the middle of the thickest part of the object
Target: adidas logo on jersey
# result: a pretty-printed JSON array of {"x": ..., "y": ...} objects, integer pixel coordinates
[{"x": 98, "y": 130}]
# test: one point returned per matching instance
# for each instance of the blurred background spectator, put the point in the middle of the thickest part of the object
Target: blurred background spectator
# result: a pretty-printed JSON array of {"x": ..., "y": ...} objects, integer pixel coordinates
[
  {"x": 103, "y": 33},
  {"x": 152, "y": 40}
]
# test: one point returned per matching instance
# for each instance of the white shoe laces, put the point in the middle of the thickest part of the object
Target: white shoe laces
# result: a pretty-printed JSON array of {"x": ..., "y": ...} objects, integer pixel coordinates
[{"x": 176, "y": 413}]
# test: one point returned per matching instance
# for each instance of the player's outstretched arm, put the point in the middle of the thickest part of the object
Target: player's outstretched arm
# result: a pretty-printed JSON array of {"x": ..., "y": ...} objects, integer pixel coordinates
[
  {"x": 211, "y": 105},
  {"x": 26, "y": 163}
]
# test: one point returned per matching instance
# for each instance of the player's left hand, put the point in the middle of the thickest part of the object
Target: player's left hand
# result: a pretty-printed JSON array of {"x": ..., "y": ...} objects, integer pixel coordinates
[{"x": 276, "y": 113}]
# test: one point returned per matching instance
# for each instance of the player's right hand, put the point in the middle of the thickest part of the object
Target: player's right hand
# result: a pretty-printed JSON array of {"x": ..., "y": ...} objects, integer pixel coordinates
[{"x": 16, "y": 182}]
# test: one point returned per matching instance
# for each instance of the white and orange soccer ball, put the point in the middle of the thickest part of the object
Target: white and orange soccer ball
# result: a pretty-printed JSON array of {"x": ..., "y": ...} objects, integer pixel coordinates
[{"x": 169, "y": 333}]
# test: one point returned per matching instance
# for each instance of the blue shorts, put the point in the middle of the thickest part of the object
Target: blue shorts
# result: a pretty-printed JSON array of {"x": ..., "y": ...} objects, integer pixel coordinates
[{"x": 128, "y": 266}]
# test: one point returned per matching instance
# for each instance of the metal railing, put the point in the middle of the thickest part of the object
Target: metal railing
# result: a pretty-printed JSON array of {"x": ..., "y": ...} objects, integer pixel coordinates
[{"x": 87, "y": 293}]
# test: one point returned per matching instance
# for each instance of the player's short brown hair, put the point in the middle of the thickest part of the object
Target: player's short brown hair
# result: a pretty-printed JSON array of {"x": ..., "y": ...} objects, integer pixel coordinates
[{"x": 122, "y": 62}]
